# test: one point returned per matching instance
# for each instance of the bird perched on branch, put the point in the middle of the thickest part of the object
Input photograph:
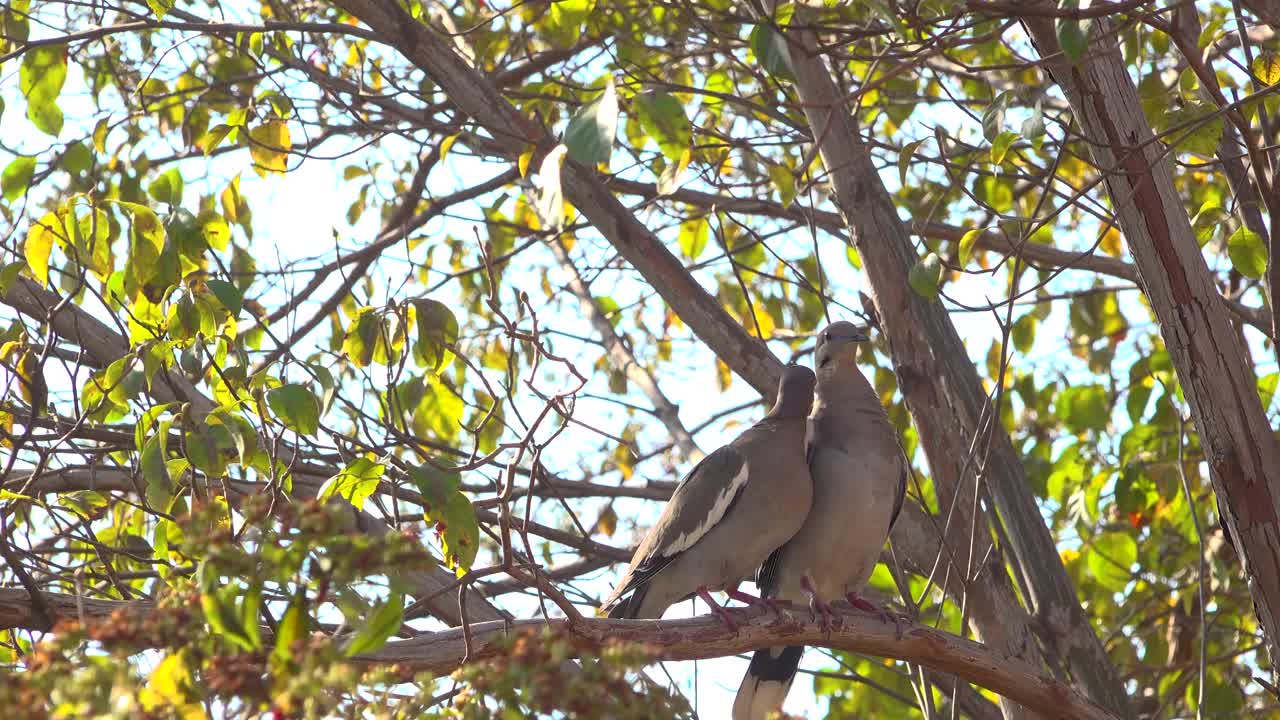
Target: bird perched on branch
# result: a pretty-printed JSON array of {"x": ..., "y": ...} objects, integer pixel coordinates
[
  {"x": 859, "y": 481},
  {"x": 726, "y": 517}
]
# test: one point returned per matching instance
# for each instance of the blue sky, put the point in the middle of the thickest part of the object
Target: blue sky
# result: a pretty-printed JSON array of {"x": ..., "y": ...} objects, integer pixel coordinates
[{"x": 297, "y": 216}]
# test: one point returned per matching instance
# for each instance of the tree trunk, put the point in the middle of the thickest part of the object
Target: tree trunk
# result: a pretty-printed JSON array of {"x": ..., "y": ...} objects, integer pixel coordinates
[
  {"x": 1239, "y": 444},
  {"x": 954, "y": 415}
]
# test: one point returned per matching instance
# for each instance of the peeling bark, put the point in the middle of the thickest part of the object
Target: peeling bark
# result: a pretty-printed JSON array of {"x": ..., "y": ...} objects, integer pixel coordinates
[{"x": 1219, "y": 384}]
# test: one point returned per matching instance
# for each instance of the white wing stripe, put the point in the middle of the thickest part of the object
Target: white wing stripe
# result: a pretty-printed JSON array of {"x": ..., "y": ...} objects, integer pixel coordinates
[{"x": 684, "y": 541}]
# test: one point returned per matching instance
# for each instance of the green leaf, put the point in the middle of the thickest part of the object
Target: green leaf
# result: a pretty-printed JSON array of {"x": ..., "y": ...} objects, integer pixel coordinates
[
  {"x": 1023, "y": 333},
  {"x": 363, "y": 337},
  {"x": 785, "y": 181},
  {"x": 439, "y": 412},
  {"x": 85, "y": 503},
  {"x": 1083, "y": 408},
  {"x": 16, "y": 177},
  {"x": 356, "y": 482},
  {"x": 216, "y": 232},
  {"x": 851, "y": 254},
  {"x": 590, "y": 133},
  {"x": 436, "y": 485},
  {"x": 610, "y": 308},
  {"x": 384, "y": 623},
  {"x": 1267, "y": 389},
  {"x": 249, "y": 609},
  {"x": 1196, "y": 128},
  {"x": 993, "y": 116},
  {"x": 967, "y": 242},
  {"x": 925, "y": 276},
  {"x": 297, "y": 407},
  {"x": 46, "y": 116},
  {"x": 293, "y": 627},
  {"x": 664, "y": 119},
  {"x": 9, "y": 274},
  {"x": 1247, "y": 252},
  {"x": 160, "y": 7},
  {"x": 694, "y": 234},
  {"x": 77, "y": 158},
  {"x": 167, "y": 188},
  {"x": 218, "y": 603},
  {"x": 904, "y": 158},
  {"x": 1073, "y": 35},
  {"x": 43, "y": 71},
  {"x": 458, "y": 532},
  {"x": 770, "y": 49},
  {"x": 1000, "y": 146},
  {"x": 1110, "y": 557},
  {"x": 437, "y": 333},
  {"x": 146, "y": 234},
  {"x": 159, "y": 488},
  {"x": 213, "y": 138},
  {"x": 228, "y": 294}
]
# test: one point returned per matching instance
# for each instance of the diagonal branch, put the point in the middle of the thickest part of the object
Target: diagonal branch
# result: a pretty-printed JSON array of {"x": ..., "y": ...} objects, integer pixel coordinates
[
  {"x": 476, "y": 96},
  {"x": 622, "y": 357}
]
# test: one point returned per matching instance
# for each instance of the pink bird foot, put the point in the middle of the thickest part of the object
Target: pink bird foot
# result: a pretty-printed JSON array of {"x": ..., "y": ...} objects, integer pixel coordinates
[
  {"x": 725, "y": 615},
  {"x": 884, "y": 614},
  {"x": 750, "y": 599},
  {"x": 817, "y": 606}
]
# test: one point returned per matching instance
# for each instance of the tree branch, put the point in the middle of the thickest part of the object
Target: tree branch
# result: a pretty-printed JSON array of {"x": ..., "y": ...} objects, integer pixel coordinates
[{"x": 686, "y": 639}]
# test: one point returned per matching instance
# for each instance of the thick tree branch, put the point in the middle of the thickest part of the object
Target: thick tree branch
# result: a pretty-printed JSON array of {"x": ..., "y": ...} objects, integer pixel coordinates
[
  {"x": 477, "y": 97},
  {"x": 1239, "y": 444},
  {"x": 687, "y": 639},
  {"x": 706, "y": 637},
  {"x": 962, "y": 440}
]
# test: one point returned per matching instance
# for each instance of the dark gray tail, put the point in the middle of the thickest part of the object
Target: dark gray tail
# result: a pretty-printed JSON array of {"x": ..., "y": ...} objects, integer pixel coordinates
[
  {"x": 764, "y": 687},
  {"x": 628, "y": 607}
]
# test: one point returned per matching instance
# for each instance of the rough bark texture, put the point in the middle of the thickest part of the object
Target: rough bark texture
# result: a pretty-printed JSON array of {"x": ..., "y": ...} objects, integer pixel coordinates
[
  {"x": 1241, "y": 449},
  {"x": 706, "y": 637},
  {"x": 951, "y": 410},
  {"x": 474, "y": 95},
  {"x": 691, "y": 639}
]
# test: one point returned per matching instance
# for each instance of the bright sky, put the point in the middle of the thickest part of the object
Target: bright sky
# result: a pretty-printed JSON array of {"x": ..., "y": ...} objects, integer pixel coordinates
[{"x": 296, "y": 216}]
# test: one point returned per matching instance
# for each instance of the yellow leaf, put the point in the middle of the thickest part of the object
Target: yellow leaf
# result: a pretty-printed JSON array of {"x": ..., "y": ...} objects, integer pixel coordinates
[
  {"x": 608, "y": 521},
  {"x": 526, "y": 158},
  {"x": 765, "y": 322},
  {"x": 231, "y": 200},
  {"x": 967, "y": 242},
  {"x": 1110, "y": 242},
  {"x": 269, "y": 145},
  {"x": 38, "y": 246},
  {"x": 724, "y": 378},
  {"x": 1266, "y": 68},
  {"x": 168, "y": 688},
  {"x": 446, "y": 144}
]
